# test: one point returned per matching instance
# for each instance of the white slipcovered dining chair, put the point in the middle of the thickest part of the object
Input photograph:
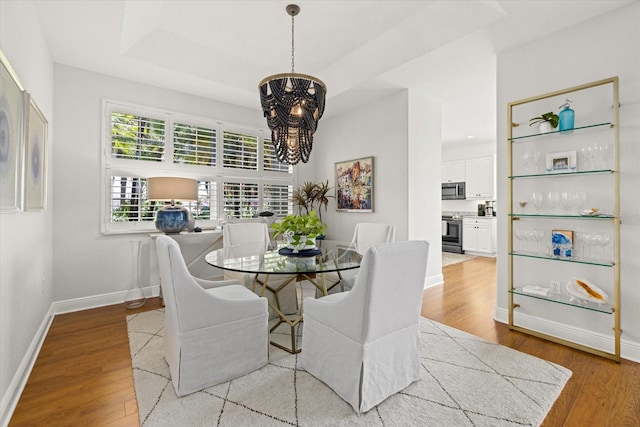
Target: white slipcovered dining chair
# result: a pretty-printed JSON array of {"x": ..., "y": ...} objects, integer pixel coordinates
[
  {"x": 252, "y": 238},
  {"x": 365, "y": 235},
  {"x": 365, "y": 343},
  {"x": 213, "y": 331}
]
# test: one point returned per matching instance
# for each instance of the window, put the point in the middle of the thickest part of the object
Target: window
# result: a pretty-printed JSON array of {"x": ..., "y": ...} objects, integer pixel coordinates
[
  {"x": 241, "y": 200},
  {"x": 277, "y": 198},
  {"x": 193, "y": 145},
  {"x": 207, "y": 205},
  {"x": 240, "y": 151},
  {"x": 129, "y": 199},
  {"x": 236, "y": 163},
  {"x": 136, "y": 137},
  {"x": 270, "y": 162}
]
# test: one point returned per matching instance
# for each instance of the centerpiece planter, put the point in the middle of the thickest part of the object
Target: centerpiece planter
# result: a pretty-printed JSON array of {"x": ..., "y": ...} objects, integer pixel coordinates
[
  {"x": 299, "y": 231},
  {"x": 299, "y": 242}
]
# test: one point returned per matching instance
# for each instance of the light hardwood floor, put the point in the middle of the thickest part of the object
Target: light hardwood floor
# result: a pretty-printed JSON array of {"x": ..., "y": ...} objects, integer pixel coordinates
[{"x": 83, "y": 373}]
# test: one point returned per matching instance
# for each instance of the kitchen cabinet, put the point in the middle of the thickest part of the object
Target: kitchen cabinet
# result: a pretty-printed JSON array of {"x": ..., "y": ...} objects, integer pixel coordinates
[
  {"x": 453, "y": 171},
  {"x": 481, "y": 178},
  {"x": 563, "y": 220},
  {"x": 479, "y": 235}
]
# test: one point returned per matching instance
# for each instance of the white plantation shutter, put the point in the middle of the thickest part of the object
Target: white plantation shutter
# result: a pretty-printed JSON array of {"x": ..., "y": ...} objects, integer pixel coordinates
[
  {"x": 236, "y": 169},
  {"x": 270, "y": 162},
  {"x": 277, "y": 199},
  {"x": 193, "y": 145},
  {"x": 207, "y": 205},
  {"x": 240, "y": 151},
  {"x": 241, "y": 199},
  {"x": 137, "y": 137},
  {"x": 129, "y": 199}
]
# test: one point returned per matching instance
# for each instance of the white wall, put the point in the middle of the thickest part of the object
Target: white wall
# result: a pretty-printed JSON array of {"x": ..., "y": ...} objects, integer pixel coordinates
[
  {"x": 88, "y": 263},
  {"x": 423, "y": 164},
  {"x": 406, "y": 150},
  {"x": 378, "y": 129},
  {"x": 603, "y": 47},
  {"x": 26, "y": 259}
]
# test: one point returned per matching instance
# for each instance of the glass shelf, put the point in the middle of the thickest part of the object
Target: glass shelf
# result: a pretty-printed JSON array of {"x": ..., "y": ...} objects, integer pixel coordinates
[
  {"x": 576, "y": 260},
  {"x": 567, "y": 216},
  {"x": 589, "y": 172},
  {"x": 557, "y": 132},
  {"x": 566, "y": 300}
]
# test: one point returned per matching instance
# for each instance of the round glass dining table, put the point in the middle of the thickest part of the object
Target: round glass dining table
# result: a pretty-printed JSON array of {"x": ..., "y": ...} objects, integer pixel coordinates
[{"x": 309, "y": 266}]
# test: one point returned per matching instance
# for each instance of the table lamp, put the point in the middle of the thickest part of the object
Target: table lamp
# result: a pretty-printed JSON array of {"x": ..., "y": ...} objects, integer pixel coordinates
[{"x": 172, "y": 218}]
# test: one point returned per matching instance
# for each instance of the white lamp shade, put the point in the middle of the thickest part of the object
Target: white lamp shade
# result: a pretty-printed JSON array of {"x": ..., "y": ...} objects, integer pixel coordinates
[{"x": 172, "y": 188}]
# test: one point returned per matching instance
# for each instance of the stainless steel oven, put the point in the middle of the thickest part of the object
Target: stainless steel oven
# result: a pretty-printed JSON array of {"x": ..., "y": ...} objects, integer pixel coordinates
[
  {"x": 452, "y": 234},
  {"x": 453, "y": 191}
]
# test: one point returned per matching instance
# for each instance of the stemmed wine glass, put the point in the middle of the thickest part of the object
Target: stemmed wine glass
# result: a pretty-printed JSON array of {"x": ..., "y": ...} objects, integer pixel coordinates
[
  {"x": 566, "y": 200},
  {"x": 526, "y": 160},
  {"x": 538, "y": 235},
  {"x": 602, "y": 240},
  {"x": 590, "y": 239},
  {"x": 518, "y": 233},
  {"x": 537, "y": 200},
  {"x": 581, "y": 200},
  {"x": 553, "y": 198}
]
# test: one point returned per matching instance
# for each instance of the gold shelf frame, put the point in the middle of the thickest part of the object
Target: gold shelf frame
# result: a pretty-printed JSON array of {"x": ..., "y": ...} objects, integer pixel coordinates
[{"x": 512, "y": 216}]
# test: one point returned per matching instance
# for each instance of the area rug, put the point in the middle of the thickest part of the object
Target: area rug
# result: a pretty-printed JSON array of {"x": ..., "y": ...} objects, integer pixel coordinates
[
  {"x": 466, "y": 381},
  {"x": 449, "y": 258}
]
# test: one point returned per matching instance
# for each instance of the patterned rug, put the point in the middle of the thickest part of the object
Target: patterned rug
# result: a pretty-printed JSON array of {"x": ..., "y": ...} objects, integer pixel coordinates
[{"x": 466, "y": 381}]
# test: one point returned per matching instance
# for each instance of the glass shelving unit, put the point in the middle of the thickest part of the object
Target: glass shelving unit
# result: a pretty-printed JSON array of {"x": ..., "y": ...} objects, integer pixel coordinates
[{"x": 609, "y": 218}]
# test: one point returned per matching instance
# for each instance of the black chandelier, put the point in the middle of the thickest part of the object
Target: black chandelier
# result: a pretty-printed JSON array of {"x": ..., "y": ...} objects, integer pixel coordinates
[{"x": 292, "y": 103}]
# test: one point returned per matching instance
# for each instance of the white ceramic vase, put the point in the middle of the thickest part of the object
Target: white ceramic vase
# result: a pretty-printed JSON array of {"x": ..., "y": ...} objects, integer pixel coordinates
[{"x": 545, "y": 127}]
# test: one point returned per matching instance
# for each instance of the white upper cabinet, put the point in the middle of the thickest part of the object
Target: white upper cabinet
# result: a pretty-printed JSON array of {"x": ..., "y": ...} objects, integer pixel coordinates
[
  {"x": 454, "y": 171},
  {"x": 481, "y": 178}
]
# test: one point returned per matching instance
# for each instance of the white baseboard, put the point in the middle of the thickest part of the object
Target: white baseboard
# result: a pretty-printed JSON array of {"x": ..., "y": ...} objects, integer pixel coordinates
[
  {"x": 432, "y": 281},
  {"x": 95, "y": 301},
  {"x": 628, "y": 350},
  {"x": 14, "y": 391}
]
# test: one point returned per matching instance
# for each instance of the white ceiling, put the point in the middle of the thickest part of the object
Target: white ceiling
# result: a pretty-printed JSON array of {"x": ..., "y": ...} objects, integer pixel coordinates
[{"x": 361, "y": 49}]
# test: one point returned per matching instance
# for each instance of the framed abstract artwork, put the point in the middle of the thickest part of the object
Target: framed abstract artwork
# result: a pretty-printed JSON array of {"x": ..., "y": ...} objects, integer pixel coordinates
[
  {"x": 354, "y": 185},
  {"x": 35, "y": 173},
  {"x": 11, "y": 137}
]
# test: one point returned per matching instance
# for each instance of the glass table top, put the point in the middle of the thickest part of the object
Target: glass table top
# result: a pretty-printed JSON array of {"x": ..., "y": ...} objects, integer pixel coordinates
[{"x": 333, "y": 256}]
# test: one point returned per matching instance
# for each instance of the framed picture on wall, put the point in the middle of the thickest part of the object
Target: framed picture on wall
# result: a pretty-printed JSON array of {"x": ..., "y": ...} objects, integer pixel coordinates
[
  {"x": 11, "y": 137},
  {"x": 35, "y": 173},
  {"x": 354, "y": 185}
]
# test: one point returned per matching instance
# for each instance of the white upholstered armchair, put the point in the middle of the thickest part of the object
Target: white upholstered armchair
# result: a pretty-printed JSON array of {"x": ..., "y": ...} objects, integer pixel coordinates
[
  {"x": 213, "y": 331},
  {"x": 365, "y": 343},
  {"x": 365, "y": 235},
  {"x": 252, "y": 238}
]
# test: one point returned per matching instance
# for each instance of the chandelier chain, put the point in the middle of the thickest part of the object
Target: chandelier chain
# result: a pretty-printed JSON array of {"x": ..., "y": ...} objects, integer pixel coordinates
[{"x": 292, "y": 43}]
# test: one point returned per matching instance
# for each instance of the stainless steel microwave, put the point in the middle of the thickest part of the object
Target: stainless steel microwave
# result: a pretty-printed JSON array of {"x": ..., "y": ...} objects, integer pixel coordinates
[{"x": 453, "y": 191}]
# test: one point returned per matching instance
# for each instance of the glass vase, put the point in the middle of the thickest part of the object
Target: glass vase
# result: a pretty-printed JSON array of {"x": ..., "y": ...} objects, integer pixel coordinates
[{"x": 135, "y": 296}]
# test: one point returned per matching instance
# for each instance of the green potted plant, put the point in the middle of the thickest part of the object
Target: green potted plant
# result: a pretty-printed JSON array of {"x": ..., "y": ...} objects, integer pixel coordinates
[
  {"x": 546, "y": 122},
  {"x": 300, "y": 231},
  {"x": 311, "y": 195}
]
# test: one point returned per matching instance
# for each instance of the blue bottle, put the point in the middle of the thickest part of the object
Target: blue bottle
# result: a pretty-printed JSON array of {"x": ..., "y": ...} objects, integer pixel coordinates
[{"x": 566, "y": 117}]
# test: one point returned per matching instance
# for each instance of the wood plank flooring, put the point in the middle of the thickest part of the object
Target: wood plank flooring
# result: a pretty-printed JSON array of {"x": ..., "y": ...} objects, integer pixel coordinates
[{"x": 83, "y": 373}]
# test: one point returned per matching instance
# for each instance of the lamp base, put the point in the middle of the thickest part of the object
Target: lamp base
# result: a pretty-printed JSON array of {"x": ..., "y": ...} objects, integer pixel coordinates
[{"x": 172, "y": 219}]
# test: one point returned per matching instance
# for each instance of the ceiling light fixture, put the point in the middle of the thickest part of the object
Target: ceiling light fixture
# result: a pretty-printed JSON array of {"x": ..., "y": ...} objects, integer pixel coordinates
[{"x": 292, "y": 103}]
